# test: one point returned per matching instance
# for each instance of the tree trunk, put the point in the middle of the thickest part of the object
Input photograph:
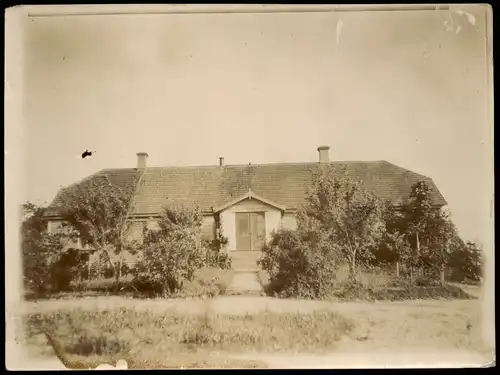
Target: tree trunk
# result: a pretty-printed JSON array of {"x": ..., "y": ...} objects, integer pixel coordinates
[
  {"x": 89, "y": 266},
  {"x": 121, "y": 266},
  {"x": 418, "y": 246},
  {"x": 118, "y": 272},
  {"x": 353, "y": 269},
  {"x": 397, "y": 269},
  {"x": 110, "y": 260},
  {"x": 442, "y": 274}
]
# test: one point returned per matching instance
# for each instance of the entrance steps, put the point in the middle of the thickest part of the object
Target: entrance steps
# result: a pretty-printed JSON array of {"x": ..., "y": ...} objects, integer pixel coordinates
[{"x": 245, "y": 281}]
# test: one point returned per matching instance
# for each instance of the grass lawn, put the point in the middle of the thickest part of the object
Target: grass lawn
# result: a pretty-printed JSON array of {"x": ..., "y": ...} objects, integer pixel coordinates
[{"x": 167, "y": 339}]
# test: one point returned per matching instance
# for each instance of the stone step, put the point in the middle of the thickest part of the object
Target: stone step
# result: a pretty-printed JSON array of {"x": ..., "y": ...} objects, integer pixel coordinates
[{"x": 245, "y": 259}]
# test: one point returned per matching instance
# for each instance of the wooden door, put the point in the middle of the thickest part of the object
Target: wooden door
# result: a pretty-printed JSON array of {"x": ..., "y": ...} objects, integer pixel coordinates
[
  {"x": 250, "y": 230},
  {"x": 243, "y": 231},
  {"x": 258, "y": 227}
]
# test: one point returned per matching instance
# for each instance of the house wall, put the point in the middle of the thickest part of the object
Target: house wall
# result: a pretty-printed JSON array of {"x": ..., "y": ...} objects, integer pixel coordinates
[
  {"x": 228, "y": 222},
  {"x": 208, "y": 228},
  {"x": 54, "y": 226},
  {"x": 289, "y": 221},
  {"x": 134, "y": 230},
  {"x": 228, "y": 226},
  {"x": 153, "y": 224}
]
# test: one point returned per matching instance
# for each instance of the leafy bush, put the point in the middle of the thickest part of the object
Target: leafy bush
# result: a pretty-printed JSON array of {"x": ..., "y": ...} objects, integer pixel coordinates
[
  {"x": 466, "y": 263},
  {"x": 69, "y": 265},
  {"x": 40, "y": 250},
  {"x": 172, "y": 254},
  {"x": 101, "y": 268},
  {"x": 298, "y": 264},
  {"x": 215, "y": 257}
]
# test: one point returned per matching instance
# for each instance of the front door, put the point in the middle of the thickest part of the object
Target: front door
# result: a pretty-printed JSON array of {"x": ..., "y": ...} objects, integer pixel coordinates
[{"x": 250, "y": 230}]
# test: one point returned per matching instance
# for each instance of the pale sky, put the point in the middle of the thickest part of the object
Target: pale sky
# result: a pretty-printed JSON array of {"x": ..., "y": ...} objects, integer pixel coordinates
[{"x": 398, "y": 86}]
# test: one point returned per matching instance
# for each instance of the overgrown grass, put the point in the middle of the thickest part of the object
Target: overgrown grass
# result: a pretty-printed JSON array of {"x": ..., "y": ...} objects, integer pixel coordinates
[
  {"x": 208, "y": 282},
  {"x": 143, "y": 336}
]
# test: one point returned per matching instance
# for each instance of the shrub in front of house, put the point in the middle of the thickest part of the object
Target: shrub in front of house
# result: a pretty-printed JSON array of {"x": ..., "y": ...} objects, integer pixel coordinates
[
  {"x": 69, "y": 267},
  {"x": 215, "y": 255},
  {"x": 171, "y": 255},
  {"x": 299, "y": 265}
]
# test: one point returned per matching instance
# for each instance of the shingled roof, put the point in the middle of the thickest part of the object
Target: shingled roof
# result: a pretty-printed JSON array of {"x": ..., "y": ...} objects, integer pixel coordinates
[{"x": 286, "y": 184}]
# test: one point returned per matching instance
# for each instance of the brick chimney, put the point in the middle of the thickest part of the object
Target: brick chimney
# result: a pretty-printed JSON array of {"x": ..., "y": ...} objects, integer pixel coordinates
[
  {"x": 221, "y": 161},
  {"x": 142, "y": 157},
  {"x": 324, "y": 155}
]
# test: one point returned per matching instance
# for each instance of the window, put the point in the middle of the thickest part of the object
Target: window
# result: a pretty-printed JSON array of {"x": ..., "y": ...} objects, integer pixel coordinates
[{"x": 135, "y": 231}]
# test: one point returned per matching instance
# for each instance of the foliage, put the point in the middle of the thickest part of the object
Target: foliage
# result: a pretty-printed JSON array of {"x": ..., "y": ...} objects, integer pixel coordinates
[
  {"x": 69, "y": 266},
  {"x": 299, "y": 264},
  {"x": 172, "y": 254},
  {"x": 215, "y": 257},
  {"x": 96, "y": 211},
  {"x": 419, "y": 234},
  {"x": 40, "y": 249},
  {"x": 347, "y": 214},
  {"x": 340, "y": 222},
  {"x": 100, "y": 267},
  {"x": 466, "y": 263}
]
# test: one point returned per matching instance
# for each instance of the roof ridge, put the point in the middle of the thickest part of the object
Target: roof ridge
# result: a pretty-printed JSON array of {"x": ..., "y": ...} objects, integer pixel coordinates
[
  {"x": 246, "y": 165},
  {"x": 408, "y": 170}
]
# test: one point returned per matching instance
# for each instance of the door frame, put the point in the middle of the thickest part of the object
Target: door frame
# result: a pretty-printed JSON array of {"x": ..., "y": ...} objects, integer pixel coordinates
[{"x": 252, "y": 235}]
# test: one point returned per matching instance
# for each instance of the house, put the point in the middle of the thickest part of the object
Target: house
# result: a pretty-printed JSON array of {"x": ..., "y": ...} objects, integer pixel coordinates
[{"x": 247, "y": 202}]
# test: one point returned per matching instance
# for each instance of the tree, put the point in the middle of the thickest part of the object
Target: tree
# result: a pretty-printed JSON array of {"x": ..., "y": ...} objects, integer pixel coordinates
[
  {"x": 97, "y": 212},
  {"x": 466, "y": 262},
  {"x": 420, "y": 234},
  {"x": 172, "y": 253},
  {"x": 350, "y": 216},
  {"x": 40, "y": 249},
  {"x": 419, "y": 211}
]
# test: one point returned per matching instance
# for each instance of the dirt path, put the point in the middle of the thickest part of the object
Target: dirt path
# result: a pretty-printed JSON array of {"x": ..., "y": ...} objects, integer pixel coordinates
[{"x": 361, "y": 358}]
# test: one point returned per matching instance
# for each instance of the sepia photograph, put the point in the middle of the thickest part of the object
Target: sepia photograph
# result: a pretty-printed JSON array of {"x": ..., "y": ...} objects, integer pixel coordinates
[{"x": 249, "y": 186}]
